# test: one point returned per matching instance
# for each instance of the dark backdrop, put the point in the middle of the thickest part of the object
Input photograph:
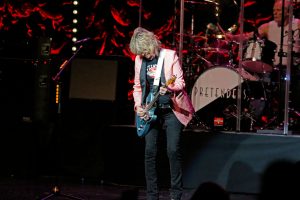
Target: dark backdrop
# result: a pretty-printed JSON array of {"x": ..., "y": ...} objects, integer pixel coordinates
[{"x": 110, "y": 23}]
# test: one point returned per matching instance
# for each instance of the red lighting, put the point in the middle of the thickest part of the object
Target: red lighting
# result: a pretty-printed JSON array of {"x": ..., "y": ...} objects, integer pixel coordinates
[
  {"x": 264, "y": 119},
  {"x": 218, "y": 121}
]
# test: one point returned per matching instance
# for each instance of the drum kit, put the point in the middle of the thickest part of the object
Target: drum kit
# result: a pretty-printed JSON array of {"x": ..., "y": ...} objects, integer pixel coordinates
[{"x": 212, "y": 72}]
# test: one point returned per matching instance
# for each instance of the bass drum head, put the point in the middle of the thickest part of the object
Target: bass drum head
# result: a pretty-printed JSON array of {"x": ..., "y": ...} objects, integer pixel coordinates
[
  {"x": 214, "y": 83},
  {"x": 214, "y": 95}
]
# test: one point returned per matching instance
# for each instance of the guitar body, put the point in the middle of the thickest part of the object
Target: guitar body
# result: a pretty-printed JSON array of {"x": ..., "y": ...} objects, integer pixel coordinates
[{"x": 142, "y": 125}]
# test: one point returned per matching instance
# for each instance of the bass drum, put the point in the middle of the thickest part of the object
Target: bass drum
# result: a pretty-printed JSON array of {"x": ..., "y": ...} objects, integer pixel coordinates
[{"x": 214, "y": 94}]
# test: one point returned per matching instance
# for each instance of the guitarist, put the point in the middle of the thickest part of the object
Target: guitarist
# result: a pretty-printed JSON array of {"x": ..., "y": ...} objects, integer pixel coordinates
[{"x": 173, "y": 107}]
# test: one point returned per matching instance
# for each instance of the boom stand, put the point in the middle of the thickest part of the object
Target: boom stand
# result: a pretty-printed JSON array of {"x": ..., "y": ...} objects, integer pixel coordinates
[{"x": 55, "y": 190}]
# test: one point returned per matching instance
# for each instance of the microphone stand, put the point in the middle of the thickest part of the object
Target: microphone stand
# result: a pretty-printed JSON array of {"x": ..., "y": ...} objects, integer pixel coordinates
[
  {"x": 239, "y": 92},
  {"x": 288, "y": 70},
  {"x": 55, "y": 189},
  {"x": 282, "y": 54}
]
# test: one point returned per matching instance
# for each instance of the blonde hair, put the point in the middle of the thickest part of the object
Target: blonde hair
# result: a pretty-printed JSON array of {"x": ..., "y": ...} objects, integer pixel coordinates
[{"x": 144, "y": 41}]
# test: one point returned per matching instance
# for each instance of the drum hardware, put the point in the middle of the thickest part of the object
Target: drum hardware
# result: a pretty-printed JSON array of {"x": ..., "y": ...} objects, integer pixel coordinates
[
  {"x": 231, "y": 53},
  {"x": 197, "y": 123},
  {"x": 218, "y": 49},
  {"x": 274, "y": 122},
  {"x": 207, "y": 63},
  {"x": 231, "y": 111},
  {"x": 252, "y": 120}
]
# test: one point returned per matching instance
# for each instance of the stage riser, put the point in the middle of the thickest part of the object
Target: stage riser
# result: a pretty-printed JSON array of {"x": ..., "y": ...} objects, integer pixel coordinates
[{"x": 234, "y": 160}]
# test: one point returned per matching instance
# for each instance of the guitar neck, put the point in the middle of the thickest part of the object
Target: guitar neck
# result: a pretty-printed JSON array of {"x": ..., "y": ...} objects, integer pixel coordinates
[{"x": 150, "y": 105}]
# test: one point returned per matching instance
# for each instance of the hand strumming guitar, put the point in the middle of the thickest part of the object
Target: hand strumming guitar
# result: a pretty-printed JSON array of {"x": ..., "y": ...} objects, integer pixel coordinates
[{"x": 142, "y": 113}]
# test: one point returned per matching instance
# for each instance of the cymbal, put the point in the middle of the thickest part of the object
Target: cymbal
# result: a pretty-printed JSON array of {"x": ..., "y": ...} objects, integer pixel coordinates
[
  {"x": 192, "y": 36},
  {"x": 257, "y": 66},
  {"x": 202, "y": 2},
  {"x": 217, "y": 50}
]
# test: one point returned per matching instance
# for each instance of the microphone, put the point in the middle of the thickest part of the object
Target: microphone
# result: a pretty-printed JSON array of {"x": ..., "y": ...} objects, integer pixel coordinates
[{"x": 82, "y": 40}]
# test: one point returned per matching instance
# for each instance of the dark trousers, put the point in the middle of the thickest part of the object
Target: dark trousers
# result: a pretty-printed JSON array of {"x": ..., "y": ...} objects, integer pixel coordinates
[{"x": 173, "y": 129}]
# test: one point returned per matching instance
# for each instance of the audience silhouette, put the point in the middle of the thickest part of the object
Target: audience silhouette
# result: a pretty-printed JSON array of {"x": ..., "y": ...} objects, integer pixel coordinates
[
  {"x": 210, "y": 191},
  {"x": 280, "y": 180}
]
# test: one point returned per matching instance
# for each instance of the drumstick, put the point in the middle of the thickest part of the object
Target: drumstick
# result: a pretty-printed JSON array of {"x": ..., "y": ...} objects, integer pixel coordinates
[
  {"x": 223, "y": 32},
  {"x": 221, "y": 29}
]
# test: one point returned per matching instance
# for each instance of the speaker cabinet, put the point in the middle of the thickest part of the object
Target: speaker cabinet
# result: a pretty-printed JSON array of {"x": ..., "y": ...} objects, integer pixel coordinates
[
  {"x": 102, "y": 81},
  {"x": 94, "y": 79}
]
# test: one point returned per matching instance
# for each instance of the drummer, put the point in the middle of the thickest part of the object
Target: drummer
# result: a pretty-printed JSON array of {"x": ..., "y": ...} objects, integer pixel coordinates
[
  {"x": 272, "y": 29},
  {"x": 272, "y": 32}
]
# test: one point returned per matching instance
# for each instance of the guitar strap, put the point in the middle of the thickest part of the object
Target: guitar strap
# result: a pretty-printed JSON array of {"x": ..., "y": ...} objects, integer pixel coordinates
[{"x": 159, "y": 69}]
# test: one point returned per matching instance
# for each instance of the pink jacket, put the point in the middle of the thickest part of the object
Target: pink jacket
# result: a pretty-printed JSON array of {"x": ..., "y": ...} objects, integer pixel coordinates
[{"x": 182, "y": 106}]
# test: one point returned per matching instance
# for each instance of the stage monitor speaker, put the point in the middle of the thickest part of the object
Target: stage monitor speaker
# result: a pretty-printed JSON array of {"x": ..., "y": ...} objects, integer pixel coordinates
[{"x": 94, "y": 79}]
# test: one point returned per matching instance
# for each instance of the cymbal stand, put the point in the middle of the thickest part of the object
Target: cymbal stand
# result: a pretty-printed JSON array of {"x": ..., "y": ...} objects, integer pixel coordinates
[
  {"x": 55, "y": 190},
  {"x": 231, "y": 57},
  {"x": 197, "y": 123},
  {"x": 282, "y": 54},
  {"x": 230, "y": 44}
]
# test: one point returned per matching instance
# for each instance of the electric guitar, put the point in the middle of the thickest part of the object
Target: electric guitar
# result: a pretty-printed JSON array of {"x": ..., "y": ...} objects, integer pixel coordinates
[{"x": 143, "y": 125}]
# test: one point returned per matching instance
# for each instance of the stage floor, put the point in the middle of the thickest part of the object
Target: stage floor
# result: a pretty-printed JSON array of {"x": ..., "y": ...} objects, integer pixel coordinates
[
  {"x": 115, "y": 154},
  {"x": 37, "y": 189}
]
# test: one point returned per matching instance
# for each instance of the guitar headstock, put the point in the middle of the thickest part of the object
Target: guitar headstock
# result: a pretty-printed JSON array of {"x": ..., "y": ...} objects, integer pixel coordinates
[{"x": 171, "y": 80}]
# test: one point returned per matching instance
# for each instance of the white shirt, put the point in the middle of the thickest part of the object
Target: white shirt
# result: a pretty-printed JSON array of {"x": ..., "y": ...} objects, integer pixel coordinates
[{"x": 274, "y": 35}]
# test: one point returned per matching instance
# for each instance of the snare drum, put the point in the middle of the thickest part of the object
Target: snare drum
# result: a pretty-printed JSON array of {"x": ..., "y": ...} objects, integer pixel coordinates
[{"x": 259, "y": 56}]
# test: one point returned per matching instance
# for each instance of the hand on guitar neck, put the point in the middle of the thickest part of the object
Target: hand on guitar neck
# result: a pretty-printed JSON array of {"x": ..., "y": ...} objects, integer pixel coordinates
[{"x": 143, "y": 111}]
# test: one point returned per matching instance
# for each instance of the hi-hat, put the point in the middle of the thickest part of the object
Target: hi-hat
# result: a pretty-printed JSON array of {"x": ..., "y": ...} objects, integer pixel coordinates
[{"x": 192, "y": 36}]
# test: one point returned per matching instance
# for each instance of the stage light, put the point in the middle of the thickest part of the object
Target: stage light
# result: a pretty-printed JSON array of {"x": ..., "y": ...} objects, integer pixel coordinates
[
  {"x": 57, "y": 93},
  {"x": 75, "y": 24}
]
